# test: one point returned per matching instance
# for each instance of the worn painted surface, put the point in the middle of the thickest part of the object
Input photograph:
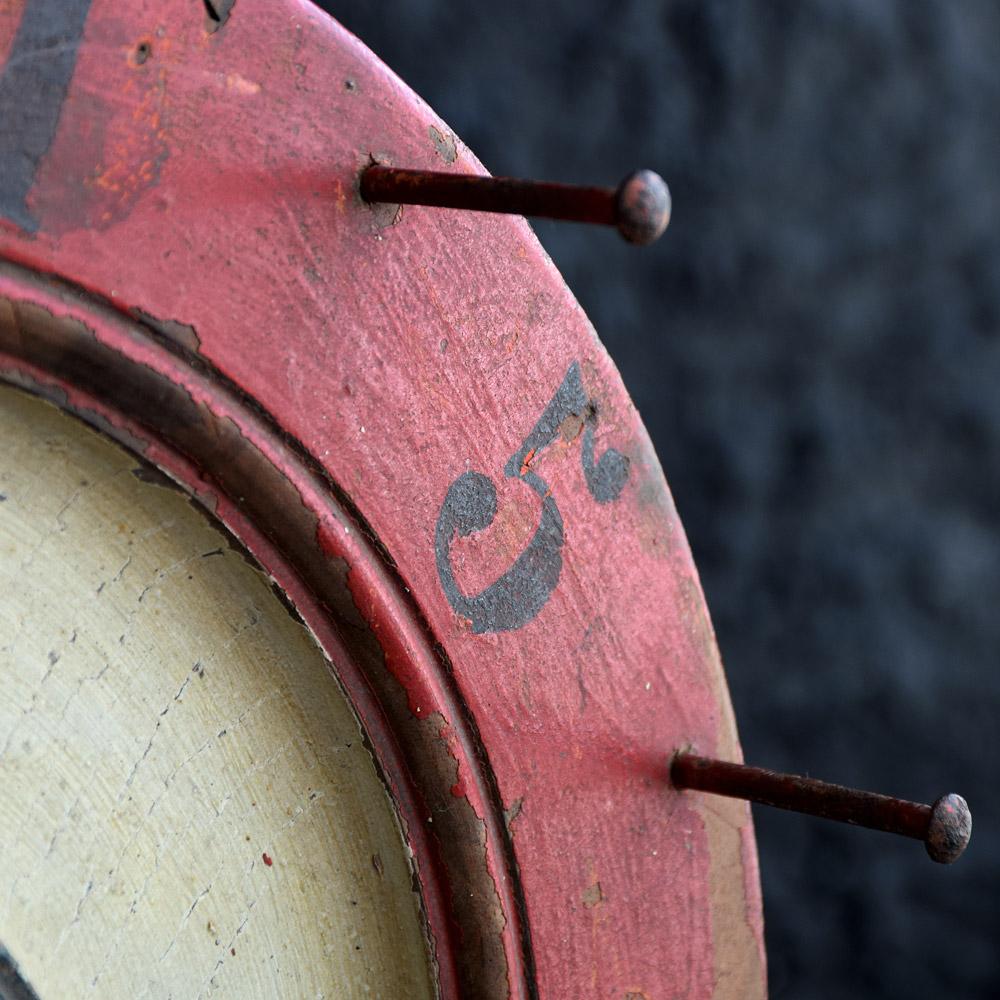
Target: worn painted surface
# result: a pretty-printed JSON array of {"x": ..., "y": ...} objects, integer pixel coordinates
[
  {"x": 551, "y": 640},
  {"x": 107, "y": 370}
]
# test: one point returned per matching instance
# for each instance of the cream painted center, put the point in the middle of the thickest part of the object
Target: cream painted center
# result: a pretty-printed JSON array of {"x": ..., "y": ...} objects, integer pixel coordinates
[{"x": 187, "y": 807}]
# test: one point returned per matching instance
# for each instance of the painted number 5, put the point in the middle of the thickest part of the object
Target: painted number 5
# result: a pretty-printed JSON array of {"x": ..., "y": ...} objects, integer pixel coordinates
[{"x": 471, "y": 505}]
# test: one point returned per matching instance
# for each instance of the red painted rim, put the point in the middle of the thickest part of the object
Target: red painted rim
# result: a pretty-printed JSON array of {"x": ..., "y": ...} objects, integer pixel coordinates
[
  {"x": 523, "y": 579},
  {"x": 94, "y": 363}
]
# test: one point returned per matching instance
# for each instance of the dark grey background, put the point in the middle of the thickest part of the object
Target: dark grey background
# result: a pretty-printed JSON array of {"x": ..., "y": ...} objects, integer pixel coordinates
[{"x": 815, "y": 348}]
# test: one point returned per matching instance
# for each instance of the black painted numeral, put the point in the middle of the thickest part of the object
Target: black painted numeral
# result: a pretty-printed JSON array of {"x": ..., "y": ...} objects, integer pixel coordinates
[
  {"x": 471, "y": 505},
  {"x": 33, "y": 85}
]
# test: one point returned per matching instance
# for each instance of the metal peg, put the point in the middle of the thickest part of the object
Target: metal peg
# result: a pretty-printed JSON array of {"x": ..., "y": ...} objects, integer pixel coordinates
[
  {"x": 639, "y": 207},
  {"x": 945, "y": 827}
]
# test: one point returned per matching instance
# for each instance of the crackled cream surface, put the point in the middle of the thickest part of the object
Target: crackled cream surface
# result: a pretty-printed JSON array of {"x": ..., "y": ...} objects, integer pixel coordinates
[{"x": 187, "y": 807}]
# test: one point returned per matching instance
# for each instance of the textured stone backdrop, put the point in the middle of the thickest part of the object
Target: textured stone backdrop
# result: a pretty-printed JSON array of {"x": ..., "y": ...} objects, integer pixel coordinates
[{"x": 815, "y": 347}]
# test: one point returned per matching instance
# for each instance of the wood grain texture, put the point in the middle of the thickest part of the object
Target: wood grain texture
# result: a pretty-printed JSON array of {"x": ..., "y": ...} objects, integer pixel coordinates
[{"x": 187, "y": 806}]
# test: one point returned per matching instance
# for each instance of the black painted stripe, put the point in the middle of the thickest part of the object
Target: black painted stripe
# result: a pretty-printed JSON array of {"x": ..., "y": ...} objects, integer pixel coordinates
[{"x": 33, "y": 86}]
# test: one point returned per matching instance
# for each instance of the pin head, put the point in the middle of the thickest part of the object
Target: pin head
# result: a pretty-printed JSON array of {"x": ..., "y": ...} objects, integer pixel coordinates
[
  {"x": 642, "y": 207},
  {"x": 949, "y": 830}
]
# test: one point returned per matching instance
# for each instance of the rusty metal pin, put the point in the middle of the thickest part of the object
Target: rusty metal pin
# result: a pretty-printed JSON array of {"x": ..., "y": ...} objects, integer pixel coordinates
[
  {"x": 945, "y": 827},
  {"x": 639, "y": 207}
]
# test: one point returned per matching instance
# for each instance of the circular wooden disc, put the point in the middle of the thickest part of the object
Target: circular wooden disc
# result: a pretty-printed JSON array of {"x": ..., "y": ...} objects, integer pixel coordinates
[{"x": 408, "y": 420}]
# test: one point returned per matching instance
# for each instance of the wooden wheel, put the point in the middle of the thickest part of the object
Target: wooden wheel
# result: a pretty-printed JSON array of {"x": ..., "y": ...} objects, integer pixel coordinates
[{"x": 399, "y": 418}]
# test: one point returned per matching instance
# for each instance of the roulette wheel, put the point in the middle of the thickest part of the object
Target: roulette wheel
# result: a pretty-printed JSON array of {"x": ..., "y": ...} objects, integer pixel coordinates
[{"x": 349, "y": 630}]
